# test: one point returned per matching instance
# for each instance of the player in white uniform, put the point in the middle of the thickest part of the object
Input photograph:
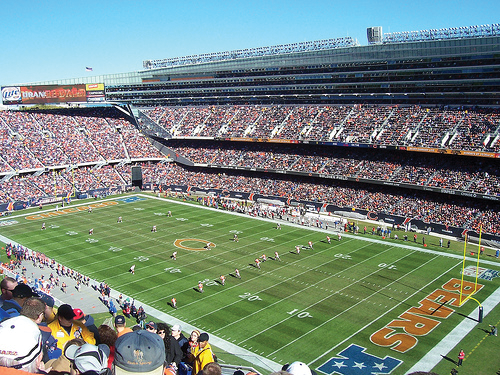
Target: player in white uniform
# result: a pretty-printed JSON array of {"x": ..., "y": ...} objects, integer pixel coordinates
[
  {"x": 223, "y": 279},
  {"x": 174, "y": 255},
  {"x": 132, "y": 269},
  {"x": 153, "y": 229},
  {"x": 277, "y": 256},
  {"x": 237, "y": 273}
]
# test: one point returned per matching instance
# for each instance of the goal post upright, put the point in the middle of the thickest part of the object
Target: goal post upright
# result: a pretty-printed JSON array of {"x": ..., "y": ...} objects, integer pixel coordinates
[{"x": 469, "y": 295}]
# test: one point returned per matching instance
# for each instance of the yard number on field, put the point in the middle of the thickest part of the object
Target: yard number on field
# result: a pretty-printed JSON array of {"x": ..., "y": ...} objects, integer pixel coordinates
[
  {"x": 303, "y": 314},
  {"x": 267, "y": 239},
  {"x": 388, "y": 266},
  {"x": 343, "y": 256},
  {"x": 250, "y": 297},
  {"x": 172, "y": 270}
]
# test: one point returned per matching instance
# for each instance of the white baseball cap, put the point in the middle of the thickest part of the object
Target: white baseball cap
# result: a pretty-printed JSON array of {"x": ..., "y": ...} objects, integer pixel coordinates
[
  {"x": 20, "y": 339},
  {"x": 299, "y": 368}
]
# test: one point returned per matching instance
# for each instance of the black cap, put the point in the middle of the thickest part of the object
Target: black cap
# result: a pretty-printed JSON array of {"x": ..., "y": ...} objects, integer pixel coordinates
[
  {"x": 203, "y": 337},
  {"x": 66, "y": 312},
  {"x": 23, "y": 291}
]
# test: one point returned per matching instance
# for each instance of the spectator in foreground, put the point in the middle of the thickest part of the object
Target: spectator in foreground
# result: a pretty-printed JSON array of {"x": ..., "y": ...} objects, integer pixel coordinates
[
  {"x": 121, "y": 325},
  {"x": 88, "y": 321},
  {"x": 62, "y": 365},
  {"x": 213, "y": 368},
  {"x": 108, "y": 337},
  {"x": 19, "y": 295},
  {"x": 50, "y": 315},
  {"x": 139, "y": 352},
  {"x": 298, "y": 368},
  {"x": 34, "y": 308},
  {"x": 192, "y": 344},
  {"x": 173, "y": 352},
  {"x": 88, "y": 359},
  {"x": 181, "y": 339},
  {"x": 20, "y": 345},
  {"x": 202, "y": 354},
  {"x": 64, "y": 328},
  {"x": 7, "y": 286}
]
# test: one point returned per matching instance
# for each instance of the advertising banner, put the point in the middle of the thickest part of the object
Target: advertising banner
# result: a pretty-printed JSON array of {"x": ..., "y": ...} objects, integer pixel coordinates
[{"x": 44, "y": 94}]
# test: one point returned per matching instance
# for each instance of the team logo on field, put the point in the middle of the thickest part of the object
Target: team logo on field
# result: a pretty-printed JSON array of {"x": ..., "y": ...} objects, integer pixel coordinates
[
  {"x": 186, "y": 244},
  {"x": 482, "y": 273},
  {"x": 354, "y": 360}
]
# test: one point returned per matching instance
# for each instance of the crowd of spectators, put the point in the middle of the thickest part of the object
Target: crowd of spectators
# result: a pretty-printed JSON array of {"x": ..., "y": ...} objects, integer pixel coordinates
[
  {"x": 447, "y": 211},
  {"x": 452, "y": 128},
  {"x": 410, "y": 204},
  {"x": 37, "y": 140},
  {"x": 423, "y": 170}
]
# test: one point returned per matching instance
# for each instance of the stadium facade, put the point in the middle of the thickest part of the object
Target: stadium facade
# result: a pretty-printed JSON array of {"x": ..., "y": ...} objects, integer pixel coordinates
[{"x": 459, "y": 66}]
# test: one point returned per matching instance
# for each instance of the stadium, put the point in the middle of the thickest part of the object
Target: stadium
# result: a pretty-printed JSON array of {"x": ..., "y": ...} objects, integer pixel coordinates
[{"x": 373, "y": 171}]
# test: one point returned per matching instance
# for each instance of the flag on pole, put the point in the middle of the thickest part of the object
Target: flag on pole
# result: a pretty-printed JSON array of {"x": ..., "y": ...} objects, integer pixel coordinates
[{"x": 88, "y": 69}]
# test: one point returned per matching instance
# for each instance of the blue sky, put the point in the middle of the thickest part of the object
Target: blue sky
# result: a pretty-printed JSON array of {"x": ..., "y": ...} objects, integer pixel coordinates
[{"x": 47, "y": 40}]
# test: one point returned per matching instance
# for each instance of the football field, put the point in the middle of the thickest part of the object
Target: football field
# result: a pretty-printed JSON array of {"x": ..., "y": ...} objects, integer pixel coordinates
[{"x": 360, "y": 305}]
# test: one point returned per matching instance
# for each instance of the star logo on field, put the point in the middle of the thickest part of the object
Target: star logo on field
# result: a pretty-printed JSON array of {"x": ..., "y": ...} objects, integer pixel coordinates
[
  {"x": 339, "y": 364},
  {"x": 380, "y": 366},
  {"x": 359, "y": 365}
]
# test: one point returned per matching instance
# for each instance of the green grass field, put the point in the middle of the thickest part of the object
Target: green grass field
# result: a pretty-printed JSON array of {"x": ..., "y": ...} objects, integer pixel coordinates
[{"x": 362, "y": 291}]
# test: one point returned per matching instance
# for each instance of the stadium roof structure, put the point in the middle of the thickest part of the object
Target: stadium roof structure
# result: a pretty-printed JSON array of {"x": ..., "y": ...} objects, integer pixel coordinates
[
  {"x": 456, "y": 66},
  {"x": 463, "y": 32},
  {"x": 252, "y": 52}
]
